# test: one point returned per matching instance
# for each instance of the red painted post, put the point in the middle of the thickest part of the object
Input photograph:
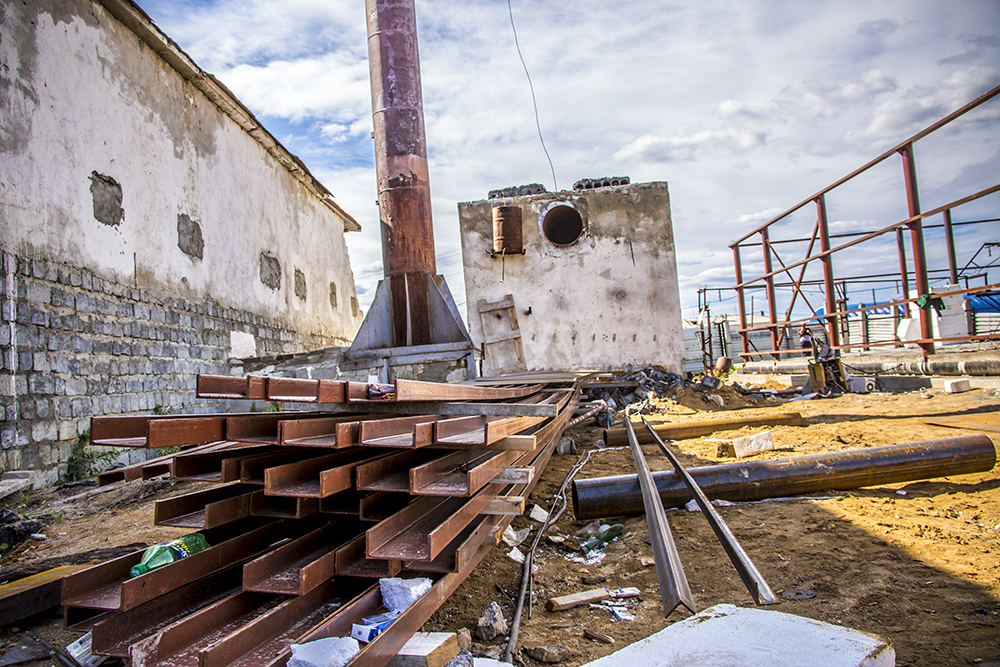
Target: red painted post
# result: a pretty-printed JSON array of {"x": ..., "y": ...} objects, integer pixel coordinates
[
  {"x": 949, "y": 237},
  {"x": 917, "y": 242},
  {"x": 829, "y": 285},
  {"x": 744, "y": 335},
  {"x": 772, "y": 307}
]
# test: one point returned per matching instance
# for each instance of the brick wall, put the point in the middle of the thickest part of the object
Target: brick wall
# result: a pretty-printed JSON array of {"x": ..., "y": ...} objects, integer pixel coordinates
[{"x": 75, "y": 345}]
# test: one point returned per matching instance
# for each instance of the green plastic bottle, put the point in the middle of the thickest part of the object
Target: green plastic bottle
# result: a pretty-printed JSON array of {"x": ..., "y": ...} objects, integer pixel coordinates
[{"x": 169, "y": 552}]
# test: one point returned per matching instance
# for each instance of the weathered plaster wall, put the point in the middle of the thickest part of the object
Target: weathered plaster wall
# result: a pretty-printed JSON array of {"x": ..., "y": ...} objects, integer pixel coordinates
[
  {"x": 88, "y": 111},
  {"x": 146, "y": 236},
  {"x": 608, "y": 301}
]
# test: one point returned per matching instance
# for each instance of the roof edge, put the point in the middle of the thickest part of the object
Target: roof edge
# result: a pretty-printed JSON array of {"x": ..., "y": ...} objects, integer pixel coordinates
[{"x": 135, "y": 19}]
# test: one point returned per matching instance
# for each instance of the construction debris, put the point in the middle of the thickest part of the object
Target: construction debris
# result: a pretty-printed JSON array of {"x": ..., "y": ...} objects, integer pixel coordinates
[
  {"x": 548, "y": 654},
  {"x": 492, "y": 623},
  {"x": 329, "y": 652}
]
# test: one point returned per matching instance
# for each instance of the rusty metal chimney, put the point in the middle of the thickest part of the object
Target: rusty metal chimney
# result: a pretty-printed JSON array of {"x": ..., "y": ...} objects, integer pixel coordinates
[{"x": 404, "y": 197}]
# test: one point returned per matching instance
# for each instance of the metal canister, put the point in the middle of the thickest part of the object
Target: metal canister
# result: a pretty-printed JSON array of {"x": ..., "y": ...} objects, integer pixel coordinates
[{"x": 507, "y": 230}]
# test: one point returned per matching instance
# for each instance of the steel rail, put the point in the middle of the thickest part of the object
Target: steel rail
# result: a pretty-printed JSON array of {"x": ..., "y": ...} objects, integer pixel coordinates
[
  {"x": 792, "y": 476},
  {"x": 617, "y": 437},
  {"x": 752, "y": 578},
  {"x": 674, "y": 588}
]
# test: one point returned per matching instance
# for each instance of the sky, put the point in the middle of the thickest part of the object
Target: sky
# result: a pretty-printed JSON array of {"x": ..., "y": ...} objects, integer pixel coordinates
[{"x": 745, "y": 108}]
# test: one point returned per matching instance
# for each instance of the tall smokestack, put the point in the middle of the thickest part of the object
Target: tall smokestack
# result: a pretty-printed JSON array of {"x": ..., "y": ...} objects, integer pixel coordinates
[{"x": 404, "y": 197}]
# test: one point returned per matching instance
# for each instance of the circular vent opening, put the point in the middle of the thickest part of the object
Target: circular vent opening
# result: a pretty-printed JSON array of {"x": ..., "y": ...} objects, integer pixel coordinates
[{"x": 562, "y": 225}]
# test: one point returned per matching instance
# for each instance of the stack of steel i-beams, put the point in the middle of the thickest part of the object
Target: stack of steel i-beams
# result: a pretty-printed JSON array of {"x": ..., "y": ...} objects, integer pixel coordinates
[{"x": 311, "y": 508}]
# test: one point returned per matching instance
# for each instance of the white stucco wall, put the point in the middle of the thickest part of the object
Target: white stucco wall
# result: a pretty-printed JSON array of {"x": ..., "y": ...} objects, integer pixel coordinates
[
  {"x": 79, "y": 93},
  {"x": 608, "y": 301}
]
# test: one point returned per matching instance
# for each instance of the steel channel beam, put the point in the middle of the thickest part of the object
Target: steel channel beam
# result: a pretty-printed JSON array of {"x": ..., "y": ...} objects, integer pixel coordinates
[
  {"x": 414, "y": 390},
  {"x": 251, "y": 387},
  {"x": 401, "y": 432},
  {"x": 917, "y": 243},
  {"x": 424, "y": 528},
  {"x": 109, "y": 586},
  {"x": 319, "y": 432},
  {"x": 459, "y": 473},
  {"x": 254, "y": 470},
  {"x": 751, "y": 576},
  {"x": 139, "y": 432},
  {"x": 772, "y": 306},
  {"x": 618, "y": 437},
  {"x": 295, "y": 390},
  {"x": 381, "y": 505},
  {"x": 114, "y": 635},
  {"x": 205, "y": 509},
  {"x": 391, "y": 473},
  {"x": 796, "y": 475},
  {"x": 281, "y": 507},
  {"x": 269, "y": 636},
  {"x": 345, "y": 503},
  {"x": 262, "y": 427},
  {"x": 182, "y": 642},
  {"x": 829, "y": 286},
  {"x": 674, "y": 588},
  {"x": 317, "y": 477},
  {"x": 352, "y": 562},
  {"x": 218, "y": 465},
  {"x": 148, "y": 469},
  {"x": 453, "y": 408},
  {"x": 303, "y": 564}
]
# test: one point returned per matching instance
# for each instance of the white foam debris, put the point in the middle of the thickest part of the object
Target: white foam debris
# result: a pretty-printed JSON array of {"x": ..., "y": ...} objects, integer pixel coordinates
[
  {"x": 329, "y": 652},
  {"x": 398, "y": 594}
]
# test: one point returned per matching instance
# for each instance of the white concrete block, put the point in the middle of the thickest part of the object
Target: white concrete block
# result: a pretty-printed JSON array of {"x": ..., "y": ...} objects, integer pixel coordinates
[
  {"x": 740, "y": 637},
  {"x": 957, "y": 386},
  {"x": 329, "y": 652},
  {"x": 398, "y": 594},
  {"x": 242, "y": 345},
  {"x": 753, "y": 444}
]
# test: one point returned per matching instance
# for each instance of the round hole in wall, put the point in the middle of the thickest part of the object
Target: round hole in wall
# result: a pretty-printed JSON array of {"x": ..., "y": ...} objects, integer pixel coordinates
[{"x": 562, "y": 225}]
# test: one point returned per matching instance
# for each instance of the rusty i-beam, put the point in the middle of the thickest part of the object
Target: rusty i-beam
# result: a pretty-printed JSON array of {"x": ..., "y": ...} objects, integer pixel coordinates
[{"x": 404, "y": 195}]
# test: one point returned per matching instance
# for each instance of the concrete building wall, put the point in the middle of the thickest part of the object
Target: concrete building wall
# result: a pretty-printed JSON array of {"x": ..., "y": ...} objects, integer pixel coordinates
[
  {"x": 609, "y": 300},
  {"x": 143, "y": 211}
]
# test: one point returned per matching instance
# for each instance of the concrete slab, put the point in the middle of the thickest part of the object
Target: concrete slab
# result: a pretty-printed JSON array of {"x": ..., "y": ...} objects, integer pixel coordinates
[
  {"x": 730, "y": 636},
  {"x": 15, "y": 481}
]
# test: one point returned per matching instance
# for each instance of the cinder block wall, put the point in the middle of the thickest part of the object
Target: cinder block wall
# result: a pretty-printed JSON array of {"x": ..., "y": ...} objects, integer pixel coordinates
[{"x": 75, "y": 345}]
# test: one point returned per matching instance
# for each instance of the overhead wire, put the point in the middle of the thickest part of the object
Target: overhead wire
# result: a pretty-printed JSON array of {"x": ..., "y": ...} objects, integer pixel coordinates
[{"x": 534, "y": 103}]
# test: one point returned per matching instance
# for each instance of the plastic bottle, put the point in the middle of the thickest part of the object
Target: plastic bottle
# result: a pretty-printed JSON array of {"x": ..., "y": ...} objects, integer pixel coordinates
[{"x": 169, "y": 552}]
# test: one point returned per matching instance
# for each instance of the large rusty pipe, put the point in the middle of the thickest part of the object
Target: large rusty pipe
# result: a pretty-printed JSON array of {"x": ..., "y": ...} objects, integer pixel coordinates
[
  {"x": 755, "y": 480},
  {"x": 404, "y": 196}
]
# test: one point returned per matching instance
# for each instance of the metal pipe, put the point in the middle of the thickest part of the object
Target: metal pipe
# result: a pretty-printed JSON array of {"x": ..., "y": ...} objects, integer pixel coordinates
[
  {"x": 772, "y": 308},
  {"x": 776, "y": 478},
  {"x": 738, "y": 265},
  {"x": 751, "y": 576},
  {"x": 949, "y": 237},
  {"x": 401, "y": 166}
]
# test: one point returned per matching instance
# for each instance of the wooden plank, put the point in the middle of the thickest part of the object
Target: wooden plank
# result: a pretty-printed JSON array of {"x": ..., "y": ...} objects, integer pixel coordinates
[
  {"x": 487, "y": 307},
  {"x": 505, "y": 506},
  {"x": 501, "y": 337},
  {"x": 564, "y": 602},
  {"x": 426, "y": 649},
  {"x": 30, "y": 595}
]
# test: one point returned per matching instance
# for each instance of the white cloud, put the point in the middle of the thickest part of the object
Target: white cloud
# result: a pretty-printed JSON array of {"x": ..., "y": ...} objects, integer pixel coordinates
[
  {"x": 919, "y": 106},
  {"x": 825, "y": 98}
]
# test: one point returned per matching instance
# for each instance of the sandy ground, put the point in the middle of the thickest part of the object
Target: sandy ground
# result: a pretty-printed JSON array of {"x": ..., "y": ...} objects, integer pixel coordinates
[{"x": 921, "y": 569}]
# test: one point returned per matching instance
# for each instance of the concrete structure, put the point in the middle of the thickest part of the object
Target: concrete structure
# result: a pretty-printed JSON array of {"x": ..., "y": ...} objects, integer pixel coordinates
[
  {"x": 595, "y": 288},
  {"x": 150, "y": 227},
  {"x": 740, "y": 637}
]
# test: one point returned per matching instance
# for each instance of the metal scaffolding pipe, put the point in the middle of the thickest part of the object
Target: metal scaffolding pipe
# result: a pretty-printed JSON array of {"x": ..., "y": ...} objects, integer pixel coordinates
[
  {"x": 404, "y": 197},
  {"x": 755, "y": 480}
]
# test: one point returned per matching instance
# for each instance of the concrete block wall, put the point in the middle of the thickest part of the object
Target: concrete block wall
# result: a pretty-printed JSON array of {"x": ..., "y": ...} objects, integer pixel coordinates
[{"x": 75, "y": 345}]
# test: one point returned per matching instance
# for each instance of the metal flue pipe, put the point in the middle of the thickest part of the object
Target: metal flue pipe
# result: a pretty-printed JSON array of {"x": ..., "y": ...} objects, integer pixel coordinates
[
  {"x": 404, "y": 197},
  {"x": 775, "y": 478}
]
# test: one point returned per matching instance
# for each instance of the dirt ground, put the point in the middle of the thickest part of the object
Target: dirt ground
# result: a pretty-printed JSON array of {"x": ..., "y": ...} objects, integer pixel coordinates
[{"x": 921, "y": 569}]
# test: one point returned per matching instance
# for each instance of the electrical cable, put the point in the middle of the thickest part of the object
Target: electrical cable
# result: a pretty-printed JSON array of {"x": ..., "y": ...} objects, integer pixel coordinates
[{"x": 531, "y": 87}]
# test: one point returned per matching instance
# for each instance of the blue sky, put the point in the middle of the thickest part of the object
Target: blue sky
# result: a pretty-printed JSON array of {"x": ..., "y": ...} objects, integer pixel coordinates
[{"x": 744, "y": 108}]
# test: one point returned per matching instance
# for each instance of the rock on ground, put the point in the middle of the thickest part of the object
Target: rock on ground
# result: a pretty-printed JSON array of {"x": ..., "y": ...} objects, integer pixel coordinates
[{"x": 491, "y": 624}]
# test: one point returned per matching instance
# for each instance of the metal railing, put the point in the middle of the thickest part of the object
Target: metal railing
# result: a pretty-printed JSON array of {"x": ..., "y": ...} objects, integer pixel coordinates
[{"x": 832, "y": 312}]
